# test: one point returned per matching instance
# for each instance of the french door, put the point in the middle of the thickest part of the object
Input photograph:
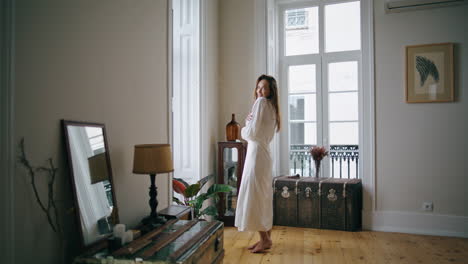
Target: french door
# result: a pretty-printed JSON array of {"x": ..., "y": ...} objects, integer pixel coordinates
[{"x": 320, "y": 77}]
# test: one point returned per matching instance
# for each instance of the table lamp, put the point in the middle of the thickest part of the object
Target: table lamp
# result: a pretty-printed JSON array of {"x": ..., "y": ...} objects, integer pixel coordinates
[{"x": 152, "y": 159}]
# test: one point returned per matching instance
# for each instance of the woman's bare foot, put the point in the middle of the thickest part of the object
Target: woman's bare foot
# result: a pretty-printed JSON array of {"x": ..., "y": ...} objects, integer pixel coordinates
[
  {"x": 268, "y": 245},
  {"x": 261, "y": 246},
  {"x": 253, "y": 246}
]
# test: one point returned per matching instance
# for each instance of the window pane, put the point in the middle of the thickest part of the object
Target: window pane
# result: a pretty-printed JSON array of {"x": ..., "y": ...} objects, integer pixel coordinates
[
  {"x": 302, "y": 107},
  {"x": 303, "y": 133},
  {"x": 343, "y": 76},
  {"x": 302, "y": 78},
  {"x": 342, "y": 27},
  {"x": 344, "y": 133},
  {"x": 343, "y": 106},
  {"x": 301, "y": 31}
]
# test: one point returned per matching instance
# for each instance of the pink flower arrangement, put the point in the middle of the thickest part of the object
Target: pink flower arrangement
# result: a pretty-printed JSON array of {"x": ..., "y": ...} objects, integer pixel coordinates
[{"x": 318, "y": 153}]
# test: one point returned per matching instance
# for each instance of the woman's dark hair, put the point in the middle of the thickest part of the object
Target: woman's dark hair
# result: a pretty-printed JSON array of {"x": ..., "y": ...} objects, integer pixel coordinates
[{"x": 273, "y": 97}]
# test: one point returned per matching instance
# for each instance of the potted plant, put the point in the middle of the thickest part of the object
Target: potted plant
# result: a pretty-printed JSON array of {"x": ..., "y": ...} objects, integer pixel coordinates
[{"x": 193, "y": 198}]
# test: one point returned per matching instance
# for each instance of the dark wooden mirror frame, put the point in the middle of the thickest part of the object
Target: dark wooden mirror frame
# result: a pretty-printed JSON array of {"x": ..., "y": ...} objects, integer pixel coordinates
[{"x": 65, "y": 123}]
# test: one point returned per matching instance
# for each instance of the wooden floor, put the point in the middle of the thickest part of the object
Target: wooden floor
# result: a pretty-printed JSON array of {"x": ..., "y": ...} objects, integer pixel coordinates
[{"x": 304, "y": 245}]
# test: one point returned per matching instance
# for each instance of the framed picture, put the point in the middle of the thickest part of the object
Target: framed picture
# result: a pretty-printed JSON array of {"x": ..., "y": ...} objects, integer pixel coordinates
[{"x": 429, "y": 73}]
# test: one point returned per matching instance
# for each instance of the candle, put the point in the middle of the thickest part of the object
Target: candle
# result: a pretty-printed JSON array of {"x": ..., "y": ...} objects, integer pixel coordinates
[
  {"x": 119, "y": 230},
  {"x": 127, "y": 237}
]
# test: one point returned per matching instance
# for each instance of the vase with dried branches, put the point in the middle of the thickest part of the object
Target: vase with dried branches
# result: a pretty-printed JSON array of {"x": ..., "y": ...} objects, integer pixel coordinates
[
  {"x": 318, "y": 153},
  {"x": 48, "y": 206}
]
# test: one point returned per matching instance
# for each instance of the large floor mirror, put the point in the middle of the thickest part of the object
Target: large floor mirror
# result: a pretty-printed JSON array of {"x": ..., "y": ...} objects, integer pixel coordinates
[{"x": 91, "y": 176}]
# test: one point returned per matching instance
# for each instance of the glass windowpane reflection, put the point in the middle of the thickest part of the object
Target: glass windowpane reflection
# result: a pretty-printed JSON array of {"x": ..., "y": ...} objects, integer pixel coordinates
[
  {"x": 302, "y": 78},
  {"x": 343, "y": 106},
  {"x": 343, "y": 27},
  {"x": 230, "y": 167},
  {"x": 302, "y": 107},
  {"x": 301, "y": 31},
  {"x": 303, "y": 133},
  {"x": 344, "y": 133},
  {"x": 343, "y": 76}
]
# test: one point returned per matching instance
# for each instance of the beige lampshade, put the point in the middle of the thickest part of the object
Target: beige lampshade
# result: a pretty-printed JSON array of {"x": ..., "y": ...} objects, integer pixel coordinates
[
  {"x": 98, "y": 169},
  {"x": 152, "y": 159}
]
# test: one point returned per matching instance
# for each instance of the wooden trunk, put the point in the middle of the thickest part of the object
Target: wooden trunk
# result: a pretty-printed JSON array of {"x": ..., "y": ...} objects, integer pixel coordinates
[
  {"x": 318, "y": 202},
  {"x": 308, "y": 203},
  {"x": 341, "y": 204},
  {"x": 201, "y": 244},
  {"x": 285, "y": 201}
]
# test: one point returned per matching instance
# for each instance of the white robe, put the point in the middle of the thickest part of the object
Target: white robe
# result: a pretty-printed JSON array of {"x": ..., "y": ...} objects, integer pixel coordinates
[{"x": 254, "y": 210}]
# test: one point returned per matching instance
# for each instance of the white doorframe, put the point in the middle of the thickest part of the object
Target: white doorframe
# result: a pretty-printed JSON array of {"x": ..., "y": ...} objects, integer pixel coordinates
[
  {"x": 169, "y": 92},
  {"x": 366, "y": 108},
  {"x": 186, "y": 33},
  {"x": 203, "y": 78},
  {"x": 7, "y": 55},
  {"x": 261, "y": 35},
  {"x": 265, "y": 59}
]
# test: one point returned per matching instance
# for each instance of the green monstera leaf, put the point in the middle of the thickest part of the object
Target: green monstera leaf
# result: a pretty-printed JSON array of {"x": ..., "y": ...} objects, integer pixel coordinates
[
  {"x": 177, "y": 201},
  {"x": 219, "y": 188},
  {"x": 197, "y": 203},
  {"x": 192, "y": 190},
  {"x": 210, "y": 210},
  {"x": 195, "y": 199}
]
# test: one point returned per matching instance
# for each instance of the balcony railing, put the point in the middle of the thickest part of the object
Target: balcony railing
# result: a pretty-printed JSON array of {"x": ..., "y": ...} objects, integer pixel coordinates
[{"x": 344, "y": 160}]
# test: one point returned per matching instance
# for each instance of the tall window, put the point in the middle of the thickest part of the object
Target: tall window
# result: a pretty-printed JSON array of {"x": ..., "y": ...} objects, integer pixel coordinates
[
  {"x": 320, "y": 64},
  {"x": 186, "y": 89}
]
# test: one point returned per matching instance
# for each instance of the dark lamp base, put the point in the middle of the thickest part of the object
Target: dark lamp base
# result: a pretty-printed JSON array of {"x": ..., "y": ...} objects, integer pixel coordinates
[
  {"x": 154, "y": 220},
  {"x": 151, "y": 222}
]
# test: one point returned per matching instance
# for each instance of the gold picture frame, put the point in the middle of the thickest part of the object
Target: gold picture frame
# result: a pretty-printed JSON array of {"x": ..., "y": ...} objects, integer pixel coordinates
[{"x": 429, "y": 73}]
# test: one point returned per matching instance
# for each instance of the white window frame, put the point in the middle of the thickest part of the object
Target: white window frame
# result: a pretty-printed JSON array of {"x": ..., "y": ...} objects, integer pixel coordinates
[
  {"x": 185, "y": 101},
  {"x": 270, "y": 8},
  {"x": 321, "y": 60}
]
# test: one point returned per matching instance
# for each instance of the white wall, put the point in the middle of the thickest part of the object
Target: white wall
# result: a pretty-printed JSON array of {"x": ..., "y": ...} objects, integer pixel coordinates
[
  {"x": 102, "y": 61},
  {"x": 211, "y": 89},
  {"x": 236, "y": 61},
  {"x": 421, "y": 149}
]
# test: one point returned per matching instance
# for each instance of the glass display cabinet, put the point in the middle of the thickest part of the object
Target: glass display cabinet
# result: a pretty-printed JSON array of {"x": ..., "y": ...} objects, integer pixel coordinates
[{"x": 231, "y": 157}]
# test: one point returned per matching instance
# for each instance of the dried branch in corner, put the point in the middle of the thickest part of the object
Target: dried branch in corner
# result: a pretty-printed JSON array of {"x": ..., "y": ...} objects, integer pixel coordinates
[{"x": 50, "y": 210}]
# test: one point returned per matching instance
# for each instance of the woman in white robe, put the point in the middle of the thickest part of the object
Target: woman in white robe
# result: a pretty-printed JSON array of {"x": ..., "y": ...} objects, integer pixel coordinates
[{"x": 255, "y": 200}]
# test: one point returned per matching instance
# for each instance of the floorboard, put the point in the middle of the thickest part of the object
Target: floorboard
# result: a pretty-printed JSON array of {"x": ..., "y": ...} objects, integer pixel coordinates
[{"x": 293, "y": 245}]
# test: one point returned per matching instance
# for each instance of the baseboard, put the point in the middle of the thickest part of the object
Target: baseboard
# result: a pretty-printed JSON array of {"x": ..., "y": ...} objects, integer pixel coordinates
[{"x": 416, "y": 223}]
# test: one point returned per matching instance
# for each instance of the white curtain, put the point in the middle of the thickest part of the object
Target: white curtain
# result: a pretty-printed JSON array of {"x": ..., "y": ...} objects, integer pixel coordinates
[{"x": 92, "y": 199}]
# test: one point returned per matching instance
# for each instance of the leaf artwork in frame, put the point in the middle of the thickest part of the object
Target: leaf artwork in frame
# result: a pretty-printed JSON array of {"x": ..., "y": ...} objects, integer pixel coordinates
[
  {"x": 429, "y": 73},
  {"x": 426, "y": 67}
]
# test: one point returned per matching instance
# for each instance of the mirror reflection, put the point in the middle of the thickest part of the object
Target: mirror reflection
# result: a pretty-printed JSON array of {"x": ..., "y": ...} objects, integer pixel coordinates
[
  {"x": 91, "y": 176},
  {"x": 230, "y": 177}
]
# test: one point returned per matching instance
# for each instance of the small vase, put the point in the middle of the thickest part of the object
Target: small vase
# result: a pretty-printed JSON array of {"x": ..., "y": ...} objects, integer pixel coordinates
[
  {"x": 233, "y": 129},
  {"x": 317, "y": 168}
]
